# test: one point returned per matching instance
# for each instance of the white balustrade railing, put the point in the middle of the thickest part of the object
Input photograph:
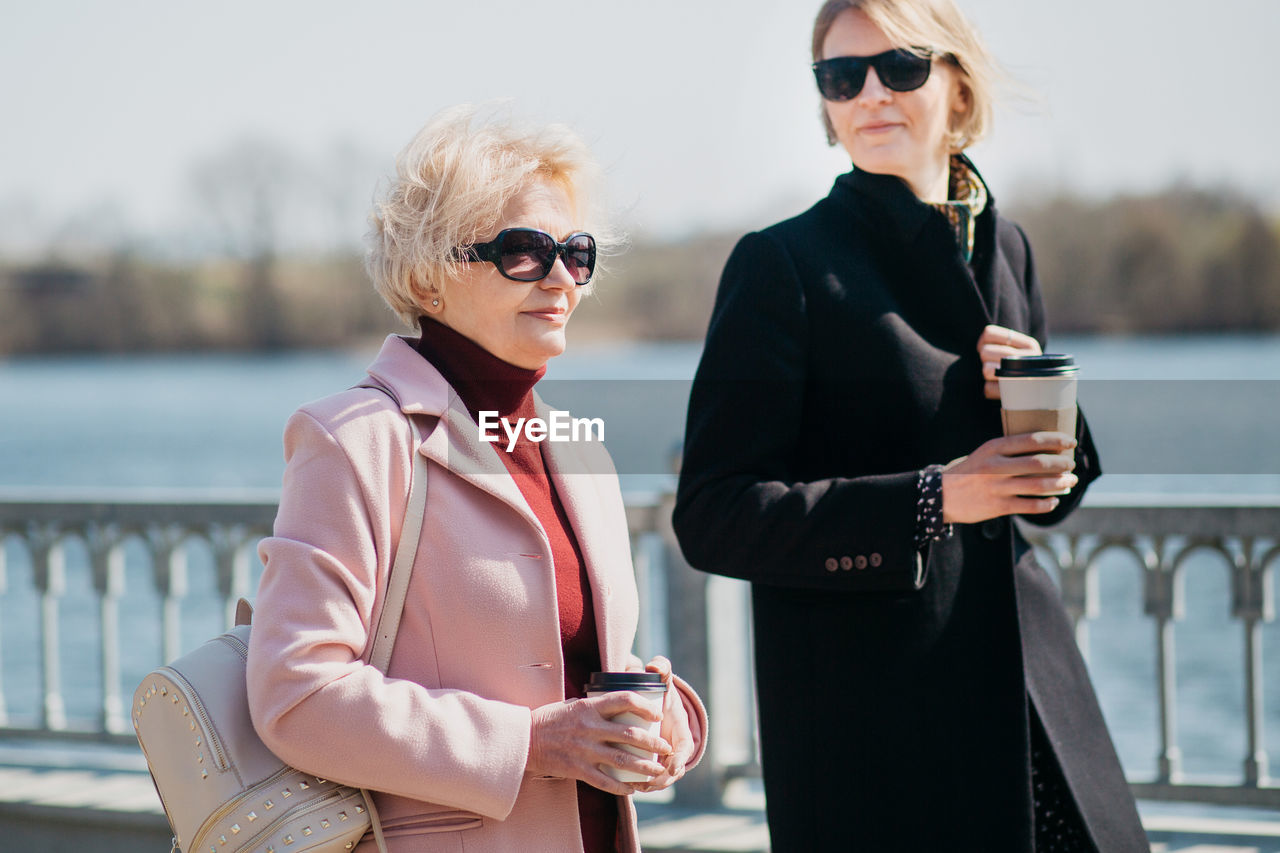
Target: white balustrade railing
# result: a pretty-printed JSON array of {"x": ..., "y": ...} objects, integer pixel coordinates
[
  {"x": 165, "y": 530},
  {"x": 697, "y": 620},
  {"x": 1160, "y": 536}
]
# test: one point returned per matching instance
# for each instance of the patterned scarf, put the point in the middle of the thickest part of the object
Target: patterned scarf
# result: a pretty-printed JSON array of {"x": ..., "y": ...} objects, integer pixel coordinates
[{"x": 967, "y": 196}]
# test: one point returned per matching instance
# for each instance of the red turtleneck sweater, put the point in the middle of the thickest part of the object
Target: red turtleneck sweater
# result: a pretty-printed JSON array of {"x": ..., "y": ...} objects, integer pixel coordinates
[{"x": 485, "y": 382}]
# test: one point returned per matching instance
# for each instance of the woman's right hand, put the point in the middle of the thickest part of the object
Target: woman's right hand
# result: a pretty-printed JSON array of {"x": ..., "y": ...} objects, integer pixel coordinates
[
  {"x": 571, "y": 739},
  {"x": 987, "y": 483}
]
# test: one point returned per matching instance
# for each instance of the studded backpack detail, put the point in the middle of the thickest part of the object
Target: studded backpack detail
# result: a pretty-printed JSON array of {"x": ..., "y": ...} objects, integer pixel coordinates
[{"x": 222, "y": 790}]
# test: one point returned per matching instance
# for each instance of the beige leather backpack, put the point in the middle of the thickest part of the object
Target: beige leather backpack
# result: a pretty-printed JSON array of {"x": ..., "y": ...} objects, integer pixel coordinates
[{"x": 222, "y": 789}]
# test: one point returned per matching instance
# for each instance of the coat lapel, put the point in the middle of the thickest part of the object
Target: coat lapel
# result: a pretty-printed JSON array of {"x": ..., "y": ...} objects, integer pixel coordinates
[
  {"x": 576, "y": 481},
  {"x": 956, "y": 290},
  {"x": 455, "y": 445},
  {"x": 455, "y": 442}
]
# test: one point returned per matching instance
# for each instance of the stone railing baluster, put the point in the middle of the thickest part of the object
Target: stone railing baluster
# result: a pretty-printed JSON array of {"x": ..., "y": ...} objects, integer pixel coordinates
[
  {"x": 241, "y": 569},
  {"x": 169, "y": 560},
  {"x": 640, "y": 518},
  {"x": 1164, "y": 602},
  {"x": 640, "y": 551},
  {"x": 690, "y": 648},
  {"x": 106, "y": 559},
  {"x": 232, "y": 582},
  {"x": 1252, "y": 603},
  {"x": 1078, "y": 582},
  {"x": 50, "y": 580}
]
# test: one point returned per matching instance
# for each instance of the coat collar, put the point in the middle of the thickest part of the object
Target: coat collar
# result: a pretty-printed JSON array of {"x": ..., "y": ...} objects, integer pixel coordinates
[
  {"x": 887, "y": 205},
  {"x": 419, "y": 387},
  {"x": 890, "y": 196},
  {"x": 454, "y": 443}
]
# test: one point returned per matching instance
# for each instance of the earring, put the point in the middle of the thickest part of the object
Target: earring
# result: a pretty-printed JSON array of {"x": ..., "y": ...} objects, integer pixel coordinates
[{"x": 435, "y": 303}]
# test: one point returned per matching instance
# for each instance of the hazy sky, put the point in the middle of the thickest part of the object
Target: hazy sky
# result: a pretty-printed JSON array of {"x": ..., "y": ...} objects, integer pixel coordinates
[{"x": 702, "y": 110}]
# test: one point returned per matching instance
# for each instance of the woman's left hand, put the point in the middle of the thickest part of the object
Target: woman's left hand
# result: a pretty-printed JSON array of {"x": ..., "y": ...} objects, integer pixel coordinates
[
  {"x": 675, "y": 731},
  {"x": 995, "y": 343}
]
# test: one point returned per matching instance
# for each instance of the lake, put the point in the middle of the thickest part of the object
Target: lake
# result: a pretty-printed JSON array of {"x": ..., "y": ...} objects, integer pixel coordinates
[{"x": 1171, "y": 415}]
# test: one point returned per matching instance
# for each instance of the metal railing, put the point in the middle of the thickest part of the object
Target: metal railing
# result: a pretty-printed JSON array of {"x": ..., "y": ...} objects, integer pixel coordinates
[{"x": 697, "y": 620}]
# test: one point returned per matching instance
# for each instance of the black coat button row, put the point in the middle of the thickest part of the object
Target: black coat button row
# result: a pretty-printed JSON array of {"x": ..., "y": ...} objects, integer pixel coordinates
[{"x": 859, "y": 562}]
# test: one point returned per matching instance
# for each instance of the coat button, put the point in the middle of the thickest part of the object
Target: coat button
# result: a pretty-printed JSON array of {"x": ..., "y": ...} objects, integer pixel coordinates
[
  {"x": 875, "y": 560},
  {"x": 992, "y": 528},
  {"x": 859, "y": 562},
  {"x": 832, "y": 564},
  {"x": 846, "y": 563}
]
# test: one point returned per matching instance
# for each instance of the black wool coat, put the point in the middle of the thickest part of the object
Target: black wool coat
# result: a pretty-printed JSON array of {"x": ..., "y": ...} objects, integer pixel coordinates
[{"x": 841, "y": 359}]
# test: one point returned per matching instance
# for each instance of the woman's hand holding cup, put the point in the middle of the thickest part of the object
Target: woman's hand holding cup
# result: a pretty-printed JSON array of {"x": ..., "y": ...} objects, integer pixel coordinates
[
  {"x": 998, "y": 477},
  {"x": 675, "y": 731},
  {"x": 995, "y": 343},
  {"x": 575, "y": 739}
]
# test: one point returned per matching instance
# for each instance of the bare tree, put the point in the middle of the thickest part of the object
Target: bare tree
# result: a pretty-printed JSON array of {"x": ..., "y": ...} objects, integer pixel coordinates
[
  {"x": 246, "y": 192},
  {"x": 345, "y": 179}
]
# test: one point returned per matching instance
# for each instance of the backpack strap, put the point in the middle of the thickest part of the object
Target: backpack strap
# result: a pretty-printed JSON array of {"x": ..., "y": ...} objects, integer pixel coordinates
[
  {"x": 406, "y": 551},
  {"x": 401, "y": 569}
]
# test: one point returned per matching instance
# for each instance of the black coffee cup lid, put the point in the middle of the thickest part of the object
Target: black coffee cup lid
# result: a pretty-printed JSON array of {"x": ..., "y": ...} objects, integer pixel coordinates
[
  {"x": 609, "y": 681},
  {"x": 1050, "y": 364}
]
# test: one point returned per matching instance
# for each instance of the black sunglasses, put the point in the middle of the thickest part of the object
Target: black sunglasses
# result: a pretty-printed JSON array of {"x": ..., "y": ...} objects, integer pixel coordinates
[
  {"x": 841, "y": 78},
  {"x": 527, "y": 254}
]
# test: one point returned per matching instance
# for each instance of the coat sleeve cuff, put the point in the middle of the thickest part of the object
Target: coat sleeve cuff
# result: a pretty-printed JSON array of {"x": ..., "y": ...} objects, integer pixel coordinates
[
  {"x": 697, "y": 713},
  {"x": 883, "y": 557},
  {"x": 929, "y": 524}
]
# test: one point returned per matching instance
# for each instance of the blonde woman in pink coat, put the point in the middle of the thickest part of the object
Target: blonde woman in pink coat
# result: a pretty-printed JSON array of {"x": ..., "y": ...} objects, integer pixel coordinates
[{"x": 478, "y": 737}]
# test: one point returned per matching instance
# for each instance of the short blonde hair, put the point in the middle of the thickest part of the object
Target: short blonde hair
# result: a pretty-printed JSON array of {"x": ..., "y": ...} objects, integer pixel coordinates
[
  {"x": 452, "y": 182},
  {"x": 935, "y": 24}
]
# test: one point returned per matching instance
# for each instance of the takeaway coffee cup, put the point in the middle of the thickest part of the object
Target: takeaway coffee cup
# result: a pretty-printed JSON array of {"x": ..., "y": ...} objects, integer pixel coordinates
[
  {"x": 1038, "y": 394},
  {"x": 649, "y": 686}
]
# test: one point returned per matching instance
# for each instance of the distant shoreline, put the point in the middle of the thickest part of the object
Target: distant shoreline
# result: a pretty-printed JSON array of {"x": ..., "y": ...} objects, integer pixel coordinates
[{"x": 1175, "y": 262}]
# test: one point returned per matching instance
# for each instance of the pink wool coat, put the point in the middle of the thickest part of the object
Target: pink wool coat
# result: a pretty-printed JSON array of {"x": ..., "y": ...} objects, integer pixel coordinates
[{"x": 444, "y": 735}]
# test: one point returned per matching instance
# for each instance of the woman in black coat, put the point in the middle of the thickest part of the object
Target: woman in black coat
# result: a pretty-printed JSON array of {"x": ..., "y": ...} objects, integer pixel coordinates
[{"x": 919, "y": 683}]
